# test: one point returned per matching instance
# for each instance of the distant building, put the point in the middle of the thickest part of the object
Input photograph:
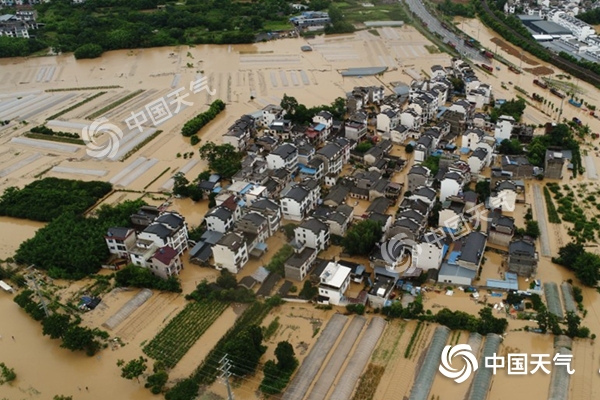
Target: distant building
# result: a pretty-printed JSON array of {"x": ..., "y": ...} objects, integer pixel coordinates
[
  {"x": 120, "y": 241},
  {"x": 231, "y": 252},
  {"x": 554, "y": 164}
]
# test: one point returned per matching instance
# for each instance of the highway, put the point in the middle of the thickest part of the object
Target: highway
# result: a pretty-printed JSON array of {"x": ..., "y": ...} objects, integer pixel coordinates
[{"x": 417, "y": 7}]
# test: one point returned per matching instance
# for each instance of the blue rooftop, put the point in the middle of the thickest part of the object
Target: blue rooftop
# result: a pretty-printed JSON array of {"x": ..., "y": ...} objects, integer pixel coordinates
[
  {"x": 247, "y": 188},
  {"x": 453, "y": 257},
  {"x": 308, "y": 171},
  {"x": 319, "y": 127}
]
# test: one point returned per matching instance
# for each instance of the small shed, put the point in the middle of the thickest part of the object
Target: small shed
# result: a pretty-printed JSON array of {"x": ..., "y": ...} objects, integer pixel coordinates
[{"x": 6, "y": 287}]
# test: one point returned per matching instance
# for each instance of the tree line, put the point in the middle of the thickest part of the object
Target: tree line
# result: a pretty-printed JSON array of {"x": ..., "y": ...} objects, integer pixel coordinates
[{"x": 48, "y": 198}]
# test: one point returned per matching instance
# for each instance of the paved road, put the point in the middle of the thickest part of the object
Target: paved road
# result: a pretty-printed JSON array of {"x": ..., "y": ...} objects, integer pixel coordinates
[
  {"x": 417, "y": 7},
  {"x": 540, "y": 212},
  {"x": 590, "y": 168}
]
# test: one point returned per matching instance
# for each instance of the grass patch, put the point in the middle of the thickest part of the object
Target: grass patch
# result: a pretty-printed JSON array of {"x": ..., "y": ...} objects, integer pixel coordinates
[
  {"x": 553, "y": 216},
  {"x": 432, "y": 49},
  {"x": 74, "y": 106},
  {"x": 355, "y": 13},
  {"x": 270, "y": 330},
  {"x": 51, "y": 138},
  {"x": 85, "y": 88},
  {"x": 413, "y": 338},
  {"x": 281, "y": 25},
  {"x": 114, "y": 104},
  {"x": 367, "y": 385},
  {"x": 182, "y": 332},
  {"x": 142, "y": 144}
]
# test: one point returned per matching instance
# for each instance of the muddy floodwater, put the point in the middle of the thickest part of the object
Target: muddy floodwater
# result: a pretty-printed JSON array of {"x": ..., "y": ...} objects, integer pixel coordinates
[{"x": 246, "y": 78}]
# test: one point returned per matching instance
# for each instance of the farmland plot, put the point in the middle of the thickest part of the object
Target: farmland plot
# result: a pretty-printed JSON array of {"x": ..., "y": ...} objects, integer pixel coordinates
[{"x": 180, "y": 334}]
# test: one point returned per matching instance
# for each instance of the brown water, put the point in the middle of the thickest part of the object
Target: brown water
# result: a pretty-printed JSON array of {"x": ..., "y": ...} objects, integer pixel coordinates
[{"x": 14, "y": 231}]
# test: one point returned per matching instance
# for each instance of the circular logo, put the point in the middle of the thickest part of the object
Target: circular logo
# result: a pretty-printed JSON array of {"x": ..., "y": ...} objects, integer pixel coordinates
[
  {"x": 461, "y": 350},
  {"x": 392, "y": 249},
  {"x": 108, "y": 149}
]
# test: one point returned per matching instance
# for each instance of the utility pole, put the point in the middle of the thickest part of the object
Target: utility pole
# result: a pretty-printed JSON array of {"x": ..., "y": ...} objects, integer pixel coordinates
[
  {"x": 32, "y": 279},
  {"x": 225, "y": 374}
]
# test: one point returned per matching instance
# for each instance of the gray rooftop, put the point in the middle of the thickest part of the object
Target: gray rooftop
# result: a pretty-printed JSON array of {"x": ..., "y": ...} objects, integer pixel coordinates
[
  {"x": 171, "y": 219},
  {"x": 314, "y": 225},
  {"x": 521, "y": 247},
  {"x": 456, "y": 270},
  {"x": 473, "y": 246},
  {"x": 285, "y": 151},
  {"x": 264, "y": 204}
]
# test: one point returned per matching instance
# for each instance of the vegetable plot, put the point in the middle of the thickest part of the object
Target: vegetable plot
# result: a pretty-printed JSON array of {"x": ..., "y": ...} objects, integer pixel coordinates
[{"x": 180, "y": 334}]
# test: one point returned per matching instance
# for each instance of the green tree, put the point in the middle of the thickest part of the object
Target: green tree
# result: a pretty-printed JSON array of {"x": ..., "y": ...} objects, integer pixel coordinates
[
  {"x": 286, "y": 358},
  {"x": 227, "y": 280},
  {"x": 568, "y": 254},
  {"x": 157, "y": 381},
  {"x": 586, "y": 268},
  {"x": 245, "y": 350},
  {"x": 134, "y": 368},
  {"x": 532, "y": 229},
  {"x": 409, "y": 148},
  {"x": 222, "y": 159},
  {"x": 289, "y": 104},
  {"x": 510, "y": 147},
  {"x": 363, "y": 147},
  {"x": 80, "y": 338},
  {"x": 308, "y": 291},
  {"x": 6, "y": 374},
  {"x": 89, "y": 50},
  {"x": 56, "y": 325},
  {"x": 433, "y": 163},
  {"x": 482, "y": 188},
  {"x": 362, "y": 237}
]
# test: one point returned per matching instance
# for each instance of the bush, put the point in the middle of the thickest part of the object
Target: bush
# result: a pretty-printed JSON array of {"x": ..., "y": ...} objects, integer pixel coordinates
[
  {"x": 89, "y": 50},
  {"x": 135, "y": 276},
  {"x": 199, "y": 121},
  {"x": 194, "y": 140},
  {"x": 356, "y": 308}
]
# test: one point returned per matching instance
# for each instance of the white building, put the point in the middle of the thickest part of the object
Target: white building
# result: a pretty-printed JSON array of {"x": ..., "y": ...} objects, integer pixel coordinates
[
  {"x": 312, "y": 233},
  {"x": 504, "y": 128},
  {"x": 169, "y": 229},
  {"x": 580, "y": 29},
  {"x": 333, "y": 283},
  {"x": 299, "y": 200},
  {"x": 231, "y": 252},
  {"x": 478, "y": 160},
  {"x": 284, "y": 156},
  {"x": 428, "y": 254},
  {"x": 120, "y": 241},
  {"x": 471, "y": 137},
  {"x": 269, "y": 114},
  {"x": 219, "y": 219},
  {"x": 388, "y": 119},
  {"x": 451, "y": 185}
]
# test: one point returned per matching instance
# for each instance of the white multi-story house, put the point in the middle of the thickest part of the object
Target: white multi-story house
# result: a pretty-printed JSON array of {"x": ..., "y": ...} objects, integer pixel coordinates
[
  {"x": 504, "y": 127},
  {"x": 437, "y": 71},
  {"x": 169, "y": 229},
  {"x": 387, "y": 119},
  {"x": 451, "y": 184},
  {"x": 333, "y": 156},
  {"x": 120, "y": 241},
  {"x": 429, "y": 252},
  {"x": 284, "y": 156},
  {"x": 238, "y": 134},
  {"x": 299, "y": 200},
  {"x": 411, "y": 118},
  {"x": 269, "y": 114},
  {"x": 325, "y": 118},
  {"x": 478, "y": 160},
  {"x": 219, "y": 219},
  {"x": 471, "y": 137},
  {"x": 333, "y": 283},
  {"x": 312, "y": 233},
  {"x": 231, "y": 252},
  {"x": 580, "y": 29}
]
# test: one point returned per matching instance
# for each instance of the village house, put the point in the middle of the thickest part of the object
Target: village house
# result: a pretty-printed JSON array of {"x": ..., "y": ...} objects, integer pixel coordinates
[
  {"x": 165, "y": 263},
  {"x": 333, "y": 283},
  {"x": 269, "y": 209},
  {"x": 423, "y": 148},
  {"x": 238, "y": 135},
  {"x": 554, "y": 164},
  {"x": 451, "y": 185},
  {"x": 504, "y": 127},
  {"x": 429, "y": 252},
  {"x": 380, "y": 291},
  {"x": 201, "y": 253},
  {"x": 284, "y": 156},
  {"x": 281, "y": 128},
  {"x": 478, "y": 160},
  {"x": 450, "y": 217},
  {"x": 120, "y": 241},
  {"x": 504, "y": 195},
  {"x": 470, "y": 250},
  {"x": 387, "y": 119},
  {"x": 501, "y": 229},
  {"x": 425, "y": 194},
  {"x": 231, "y": 252},
  {"x": 169, "y": 229},
  {"x": 219, "y": 219},
  {"x": 298, "y": 200},
  {"x": 522, "y": 258},
  {"x": 312, "y": 233},
  {"x": 339, "y": 219},
  {"x": 255, "y": 224},
  {"x": 418, "y": 175},
  {"x": 300, "y": 263},
  {"x": 471, "y": 138}
]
